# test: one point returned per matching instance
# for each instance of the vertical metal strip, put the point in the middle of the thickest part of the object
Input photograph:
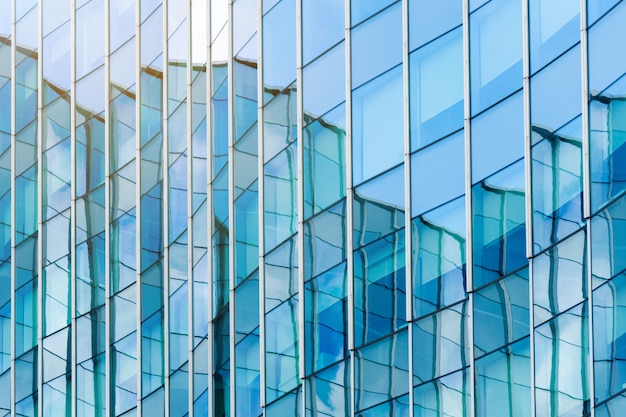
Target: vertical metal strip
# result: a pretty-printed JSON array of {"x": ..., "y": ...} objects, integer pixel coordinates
[
  {"x": 107, "y": 205},
  {"x": 300, "y": 206},
  {"x": 469, "y": 259},
  {"x": 139, "y": 210},
  {"x": 349, "y": 208},
  {"x": 13, "y": 204},
  {"x": 584, "y": 61},
  {"x": 190, "y": 234},
  {"x": 166, "y": 208},
  {"x": 231, "y": 208},
  {"x": 40, "y": 228},
  {"x": 408, "y": 232},
  {"x": 261, "y": 202},
  {"x": 531, "y": 304}
]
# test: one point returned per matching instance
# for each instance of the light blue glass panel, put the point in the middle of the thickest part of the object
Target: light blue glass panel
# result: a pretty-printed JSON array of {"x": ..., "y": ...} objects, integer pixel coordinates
[
  {"x": 607, "y": 112},
  {"x": 153, "y": 405},
  {"x": 26, "y": 379},
  {"x": 246, "y": 307},
  {"x": 501, "y": 313},
  {"x": 5, "y": 386},
  {"x": 554, "y": 27},
  {"x": 498, "y": 137},
  {"x": 25, "y": 204},
  {"x": 26, "y": 308},
  {"x": 436, "y": 89},
  {"x": 503, "y": 382},
  {"x": 247, "y": 377},
  {"x": 556, "y": 184},
  {"x": 279, "y": 47},
  {"x": 362, "y": 9},
  {"x": 555, "y": 92},
  {"x": 178, "y": 323},
  {"x": 495, "y": 52},
  {"x": 615, "y": 407},
  {"x": 26, "y": 261},
  {"x": 439, "y": 257},
  {"x": 121, "y": 22},
  {"x": 123, "y": 131},
  {"x": 280, "y": 197},
  {"x": 561, "y": 378},
  {"x": 437, "y": 174},
  {"x": 379, "y": 286},
  {"x": 561, "y": 280},
  {"x": 324, "y": 159},
  {"x": 89, "y": 39},
  {"x": 377, "y": 45},
  {"x": 124, "y": 374},
  {"x": 325, "y": 240},
  {"x": 327, "y": 392},
  {"x": 178, "y": 189},
  {"x": 179, "y": 393},
  {"x": 443, "y": 343},
  {"x": 281, "y": 274},
  {"x": 288, "y": 405},
  {"x": 326, "y": 318},
  {"x": 322, "y": 26},
  {"x": 378, "y": 207},
  {"x": 280, "y": 123},
  {"x": 123, "y": 256},
  {"x": 606, "y": 63},
  {"x": 609, "y": 338},
  {"x": 246, "y": 108},
  {"x": 246, "y": 233},
  {"x": 446, "y": 396},
  {"x": 608, "y": 243},
  {"x": 430, "y": 19},
  {"x": 219, "y": 123},
  {"x": 57, "y": 352},
  {"x": 398, "y": 407},
  {"x": 90, "y": 384},
  {"x": 56, "y": 301},
  {"x": 56, "y": 179},
  {"x": 597, "y": 8},
  {"x": 56, "y": 58},
  {"x": 152, "y": 351},
  {"x": 324, "y": 82},
  {"x": 5, "y": 318},
  {"x": 388, "y": 361},
  {"x": 281, "y": 349},
  {"x": 92, "y": 328},
  {"x": 90, "y": 162}
]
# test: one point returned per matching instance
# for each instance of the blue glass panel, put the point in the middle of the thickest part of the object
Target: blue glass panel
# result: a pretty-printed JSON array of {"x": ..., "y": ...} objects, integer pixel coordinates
[
  {"x": 561, "y": 351},
  {"x": 377, "y": 45},
  {"x": 288, "y": 405},
  {"x": 325, "y": 240},
  {"x": 555, "y": 92},
  {"x": 554, "y": 27},
  {"x": 439, "y": 257},
  {"x": 279, "y": 47},
  {"x": 597, "y": 8},
  {"x": 501, "y": 313},
  {"x": 281, "y": 274},
  {"x": 362, "y": 9},
  {"x": 499, "y": 224},
  {"x": 323, "y": 25},
  {"x": 328, "y": 392},
  {"x": 89, "y": 39},
  {"x": 615, "y": 407},
  {"x": 57, "y": 352},
  {"x": 324, "y": 82},
  {"x": 280, "y": 127},
  {"x": 122, "y": 21},
  {"x": 248, "y": 377},
  {"x": 280, "y": 197},
  {"x": 447, "y": 396},
  {"x": 608, "y": 242},
  {"x": 436, "y": 89},
  {"x": 503, "y": 382},
  {"x": 433, "y": 181},
  {"x": 246, "y": 233},
  {"x": 498, "y": 137},
  {"x": 123, "y": 374},
  {"x": 378, "y": 359},
  {"x": 606, "y": 62},
  {"x": 443, "y": 343},
  {"x": 179, "y": 393},
  {"x": 430, "y": 19},
  {"x": 495, "y": 52},
  {"x": 281, "y": 345},
  {"x": 609, "y": 336}
]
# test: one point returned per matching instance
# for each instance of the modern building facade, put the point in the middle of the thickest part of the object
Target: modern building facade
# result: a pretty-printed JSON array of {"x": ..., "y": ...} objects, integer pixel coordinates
[{"x": 313, "y": 208}]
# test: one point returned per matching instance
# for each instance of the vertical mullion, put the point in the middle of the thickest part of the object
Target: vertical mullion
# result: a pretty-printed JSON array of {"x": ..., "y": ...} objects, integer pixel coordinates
[
  {"x": 13, "y": 204},
  {"x": 349, "y": 206},
  {"x": 165, "y": 204},
  {"x": 138, "y": 217},
  {"x": 190, "y": 240},
  {"x": 231, "y": 211},
  {"x": 408, "y": 242},
  {"x": 40, "y": 228}
]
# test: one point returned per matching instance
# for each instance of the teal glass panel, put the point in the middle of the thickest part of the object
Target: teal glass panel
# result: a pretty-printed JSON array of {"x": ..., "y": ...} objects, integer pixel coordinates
[
  {"x": 562, "y": 270},
  {"x": 246, "y": 110},
  {"x": 503, "y": 382},
  {"x": 439, "y": 257},
  {"x": 561, "y": 376},
  {"x": 26, "y": 261},
  {"x": 246, "y": 307},
  {"x": 247, "y": 233},
  {"x": 91, "y": 386},
  {"x": 377, "y": 123},
  {"x": 443, "y": 343},
  {"x": 555, "y": 92},
  {"x": 281, "y": 274},
  {"x": 499, "y": 224},
  {"x": 151, "y": 105},
  {"x": 57, "y": 354},
  {"x": 123, "y": 129},
  {"x": 607, "y": 138},
  {"x": 124, "y": 374},
  {"x": 151, "y": 227},
  {"x": 325, "y": 240},
  {"x": 280, "y": 198},
  {"x": 501, "y": 313},
  {"x": 436, "y": 88},
  {"x": 152, "y": 351},
  {"x": 56, "y": 298},
  {"x": 219, "y": 120},
  {"x": 495, "y": 52},
  {"x": 25, "y": 204},
  {"x": 608, "y": 242},
  {"x": 92, "y": 328},
  {"x": 280, "y": 123},
  {"x": 497, "y": 137},
  {"x": 279, "y": 47},
  {"x": 611, "y": 408},
  {"x": 448, "y": 396},
  {"x": 5, "y": 318},
  {"x": 434, "y": 183},
  {"x": 380, "y": 288},
  {"x": 26, "y": 380},
  {"x": 388, "y": 360},
  {"x": 221, "y": 378},
  {"x": 609, "y": 336},
  {"x": 326, "y": 319},
  {"x": 178, "y": 188},
  {"x": 56, "y": 179},
  {"x": 379, "y": 207},
  {"x": 26, "y": 317},
  {"x": 56, "y": 397},
  {"x": 324, "y": 82},
  {"x": 90, "y": 213},
  {"x": 557, "y": 184},
  {"x": 5, "y": 386},
  {"x": 248, "y": 377},
  {"x": 554, "y": 27},
  {"x": 221, "y": 335},
  {"x": 429, "y": 20},
  {"x": 362, "y": 9},
  {"x": 288, "y": 405},
  {"x": 152, "y": 290},
  {"x": 153, "y": 405},
  {"x": 328, "y": 392},
  {"x": 220, "y": 273},
  {"x": 323, "y": 23},
  {"x": 123, "y": 254},
  {"x": 178, "y": 324},
  {"x": 281, "y": 349},
  {"x": 324, "y": 161},
  {"x": 56, "y": 237},
  {"x": 179, "y": 393},
  {"x": 398, "y": 407}
]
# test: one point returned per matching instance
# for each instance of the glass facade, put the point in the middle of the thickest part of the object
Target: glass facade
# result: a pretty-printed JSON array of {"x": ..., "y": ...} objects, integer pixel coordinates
[{"x": 275, "y": 208}]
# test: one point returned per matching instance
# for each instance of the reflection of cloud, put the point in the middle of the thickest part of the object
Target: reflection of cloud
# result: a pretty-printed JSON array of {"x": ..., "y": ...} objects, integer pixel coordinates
[{"x": 199, "y": 33}]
